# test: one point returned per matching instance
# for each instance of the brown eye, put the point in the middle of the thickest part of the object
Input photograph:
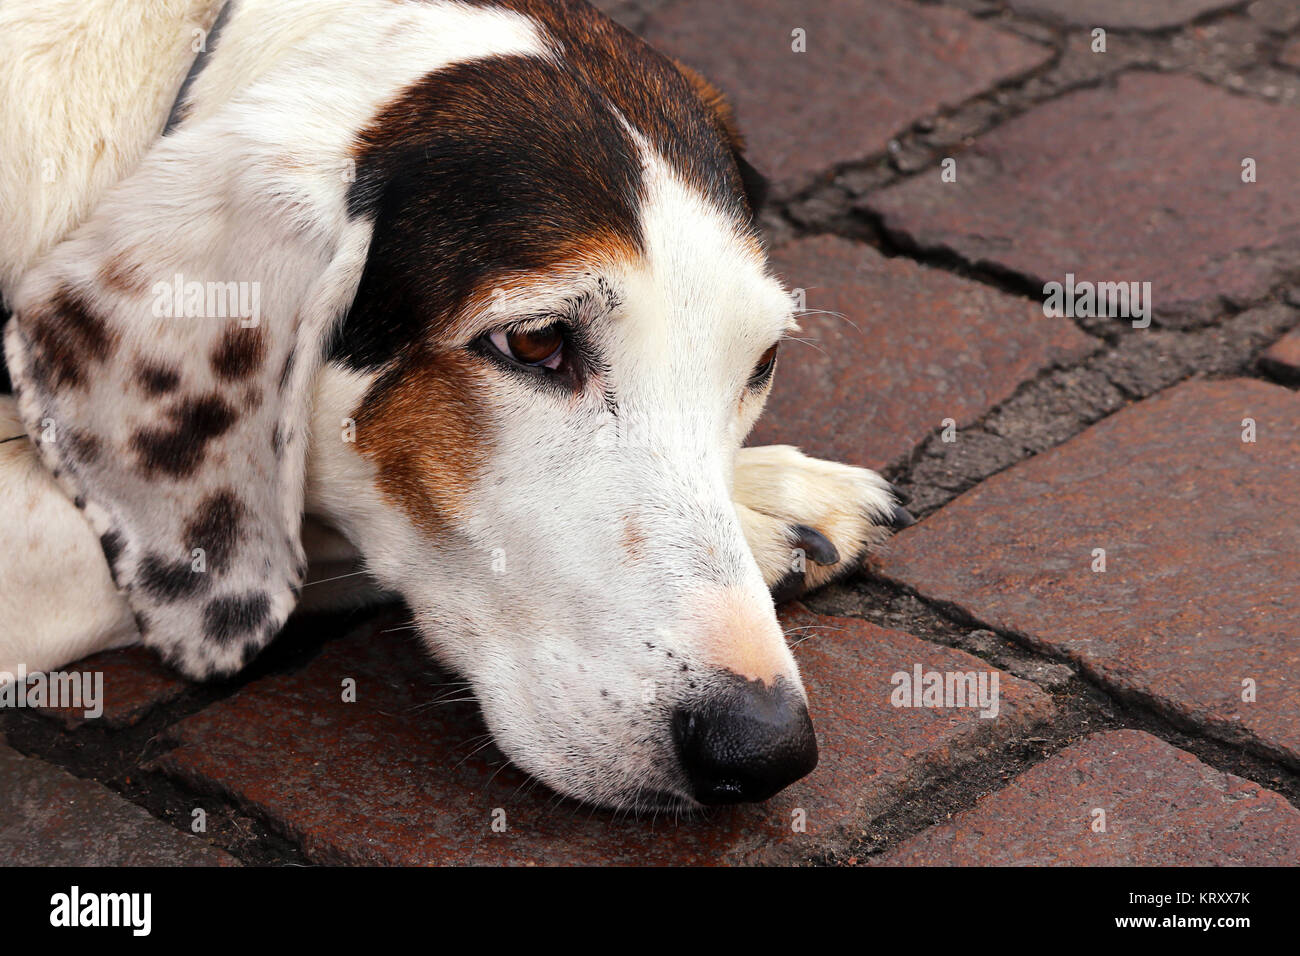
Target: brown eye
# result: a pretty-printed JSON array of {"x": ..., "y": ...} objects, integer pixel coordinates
[
  {"x": 763, "y": 370},
  {"x": 540, "y": 347}
]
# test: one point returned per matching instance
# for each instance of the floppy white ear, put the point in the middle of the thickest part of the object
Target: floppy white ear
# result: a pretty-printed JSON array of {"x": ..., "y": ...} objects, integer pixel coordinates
[{"x": 163, "y": 357}]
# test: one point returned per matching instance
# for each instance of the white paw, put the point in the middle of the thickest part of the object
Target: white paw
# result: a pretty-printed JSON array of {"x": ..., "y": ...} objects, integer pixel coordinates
[{"x": 809, "y": 521}]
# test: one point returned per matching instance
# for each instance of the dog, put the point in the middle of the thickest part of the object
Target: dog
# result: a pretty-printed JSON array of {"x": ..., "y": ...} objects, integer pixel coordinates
[{"x": 467, "y": 296}]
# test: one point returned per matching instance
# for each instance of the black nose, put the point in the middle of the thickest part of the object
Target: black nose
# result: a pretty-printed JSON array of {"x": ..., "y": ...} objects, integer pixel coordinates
[{"x": 745, "y": 743}]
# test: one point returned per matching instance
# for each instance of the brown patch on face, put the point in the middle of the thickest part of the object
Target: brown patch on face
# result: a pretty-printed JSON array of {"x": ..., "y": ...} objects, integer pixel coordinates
[
  {"x": 123, "y": 274},
  {"x": 240, "y": 353},
  {"x": 426, "y": 431},
  {"x": 68, "y": 337}
]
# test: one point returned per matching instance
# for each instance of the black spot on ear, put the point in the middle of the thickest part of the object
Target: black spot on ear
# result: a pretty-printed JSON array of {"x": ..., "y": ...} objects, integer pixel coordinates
[
  {"x": 176, "y": 450},
  {"x": 216, "y": 527},
  {"x": 285, "y": 371},
  {"x": 227, "y": 618},
  {"x": 83, "y": 447},
  {"x": 755, "y": 183},
  {"x": 156, "y": 380},
  {"x": 6, "y": 386},
  {"x": 112, "y": 545},
  {"x": 68, "y": 336},
  {"x": 171, "y": 580},
  {"x": 239, "y": 353}
]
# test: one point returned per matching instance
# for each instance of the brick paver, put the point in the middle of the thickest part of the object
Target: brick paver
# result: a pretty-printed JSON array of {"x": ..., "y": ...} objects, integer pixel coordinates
[
  {"x": 1161, "y": 806},
  {"x": 1201, "y": 588},
  {"x": 906, "y": 348},
  {"x": 1140, "y": 181},
  {"x": 50, "y": 818},
  {"x": 1282, "y": 359},
  {"x": 871, "y": 68},
  {"x": 1290, "y": 54},
  {"x": 388, "y": 780},
  {"x": 1130, "y": 14},
  {"x": 135, "y": 681}
]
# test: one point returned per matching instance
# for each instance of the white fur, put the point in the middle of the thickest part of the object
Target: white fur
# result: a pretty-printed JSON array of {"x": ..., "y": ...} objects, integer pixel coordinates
[{"x": 85, "y": 86}]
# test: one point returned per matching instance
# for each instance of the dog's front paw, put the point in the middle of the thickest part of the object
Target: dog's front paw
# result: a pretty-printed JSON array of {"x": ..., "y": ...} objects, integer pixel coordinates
[{"x": 809, "y": 521}]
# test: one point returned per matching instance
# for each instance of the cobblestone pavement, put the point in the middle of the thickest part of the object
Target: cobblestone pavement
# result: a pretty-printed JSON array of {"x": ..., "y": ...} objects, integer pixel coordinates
[{"x": 1108, "y": 505}]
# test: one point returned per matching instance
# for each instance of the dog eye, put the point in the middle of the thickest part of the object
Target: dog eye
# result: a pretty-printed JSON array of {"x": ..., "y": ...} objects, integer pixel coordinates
[
  {"x": 762, "y": 373},
  {"x": 541, "y": 348}
]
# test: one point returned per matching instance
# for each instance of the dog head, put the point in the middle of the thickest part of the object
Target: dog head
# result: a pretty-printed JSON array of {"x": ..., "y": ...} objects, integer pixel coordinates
[{"x": 511, "y": 301}]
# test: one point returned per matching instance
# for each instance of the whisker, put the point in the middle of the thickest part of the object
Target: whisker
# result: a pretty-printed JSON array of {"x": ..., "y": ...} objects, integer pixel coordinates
[
  {"x": 350, "y": 574},
  {"x": 809, "y": 342}
]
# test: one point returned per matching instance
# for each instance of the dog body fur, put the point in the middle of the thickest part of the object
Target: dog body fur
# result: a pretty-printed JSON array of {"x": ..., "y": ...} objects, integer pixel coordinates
[{"x": 589, "y": 546}]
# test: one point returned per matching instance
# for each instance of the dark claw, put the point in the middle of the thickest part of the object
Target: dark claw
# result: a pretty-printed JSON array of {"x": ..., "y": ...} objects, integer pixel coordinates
[
  {"x": 814, "y": 544},
  {"x": 898, "y": 495},
  {"x": 901, "y": 518}
]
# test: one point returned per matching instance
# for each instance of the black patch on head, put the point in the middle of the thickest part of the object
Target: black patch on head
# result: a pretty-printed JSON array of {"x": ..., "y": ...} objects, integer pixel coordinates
[
  {"x": 156, "y": 380},
  {"x": 227, "y": 618},
  {"x": 176, "y": 450},
  {"x": 216, "y": 527},
  {"x": 239, "y": 354},
  {"x": 171, "y": 580},
  {"x": 68, "y": 336},
  {"x": 514, "y": 164},
  {"x": 471, "y": 175}
]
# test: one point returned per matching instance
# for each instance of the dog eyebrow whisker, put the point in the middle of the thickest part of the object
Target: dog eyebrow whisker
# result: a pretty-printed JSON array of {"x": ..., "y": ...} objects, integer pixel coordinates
[
  {"x": 838, "y": 315},
  {"x": 808, "y": 342}
]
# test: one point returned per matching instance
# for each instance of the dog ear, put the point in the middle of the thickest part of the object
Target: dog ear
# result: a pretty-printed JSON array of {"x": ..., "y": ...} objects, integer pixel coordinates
[
  {"x": 719, "y": 109},
  {"x": 164, "y": 357}
]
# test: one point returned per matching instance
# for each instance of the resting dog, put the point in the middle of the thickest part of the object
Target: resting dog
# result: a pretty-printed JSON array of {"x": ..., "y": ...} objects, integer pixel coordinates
[{"x": 468, "y": 296}]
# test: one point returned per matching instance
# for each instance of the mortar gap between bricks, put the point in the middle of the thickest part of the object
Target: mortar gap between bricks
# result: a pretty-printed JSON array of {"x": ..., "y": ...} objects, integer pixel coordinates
[{"x": 1249, "y": 759}]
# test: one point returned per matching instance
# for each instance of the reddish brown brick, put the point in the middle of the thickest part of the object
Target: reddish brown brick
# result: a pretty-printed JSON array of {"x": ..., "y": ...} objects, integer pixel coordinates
[
  {"x": 1140, "y": 181},
  {"x": 134, "y": 682},
  {"x": 1290, "y": 55},
  {"x": 389, "y": 779},
  {"x": 1282, "y": 358},
  {"x": 1200, "y": 591},
  {"x": 50, "y": 818},
  {"x": 891, "y": 349},
  {"x": 1122, "y": 14},
  {"x": 871, "y": 68},
  {"x": 1162, "y": 807}
]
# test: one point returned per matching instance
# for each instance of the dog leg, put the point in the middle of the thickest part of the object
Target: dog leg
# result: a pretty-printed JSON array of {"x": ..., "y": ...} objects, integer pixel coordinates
[
  {"x": 809, "y": 521},
  {"x": 57, "y": 600}
]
